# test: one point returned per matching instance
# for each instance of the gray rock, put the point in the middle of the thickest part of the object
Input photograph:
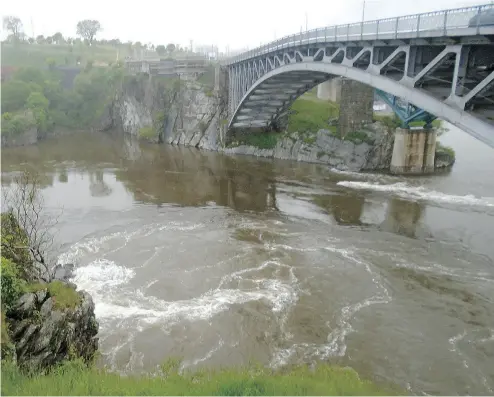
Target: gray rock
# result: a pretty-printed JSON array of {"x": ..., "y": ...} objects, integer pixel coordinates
[
  {"x": 46, "y": 308},
  {"x": 43, "y": 335},
  {"x": 25, "y": 306}
]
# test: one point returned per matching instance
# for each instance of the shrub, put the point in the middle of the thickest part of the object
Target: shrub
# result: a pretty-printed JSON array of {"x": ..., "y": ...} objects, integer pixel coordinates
[
  {"x": 261, "y": 140},
  {"x": 13, "y": 286},
  {"x": 63, "y": 295}
]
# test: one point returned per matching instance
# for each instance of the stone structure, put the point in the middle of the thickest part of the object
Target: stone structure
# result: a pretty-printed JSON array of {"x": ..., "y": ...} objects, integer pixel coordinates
[
  {"x": 356, "y": 106},
  {"x": 413, "y": 151},
  {"x": 330, "y": 90}
]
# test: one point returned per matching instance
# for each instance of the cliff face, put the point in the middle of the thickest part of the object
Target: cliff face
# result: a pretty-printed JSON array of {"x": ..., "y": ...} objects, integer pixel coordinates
[
  {"x": 192, "y": 115},
  {"x": 195, "y": 116},
  {"x": 45, "y": 332}
]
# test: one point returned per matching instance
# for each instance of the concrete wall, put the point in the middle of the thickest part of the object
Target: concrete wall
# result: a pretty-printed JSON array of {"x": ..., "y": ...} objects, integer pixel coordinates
[
  {"x": 356, "y": 106},
  {"x": 330, "y": 90},
  {"x": 413, "y": 151}
]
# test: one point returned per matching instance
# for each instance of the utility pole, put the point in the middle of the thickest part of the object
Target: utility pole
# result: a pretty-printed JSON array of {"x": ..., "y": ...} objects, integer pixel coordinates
[{"x": 363, "y": 11}]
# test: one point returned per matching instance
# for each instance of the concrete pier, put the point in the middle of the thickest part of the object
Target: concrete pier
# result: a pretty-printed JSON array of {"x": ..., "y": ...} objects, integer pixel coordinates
[
  {"x": 356, "y": 106},
  {"x": 413, "y": 151},
  {"x": 330, "y": 90}
]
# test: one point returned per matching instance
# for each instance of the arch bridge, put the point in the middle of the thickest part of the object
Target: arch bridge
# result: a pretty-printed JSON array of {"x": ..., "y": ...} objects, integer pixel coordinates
[{"x": 441, "y": 62}]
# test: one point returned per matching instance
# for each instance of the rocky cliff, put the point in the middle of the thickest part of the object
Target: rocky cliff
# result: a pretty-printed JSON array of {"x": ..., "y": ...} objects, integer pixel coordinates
[
  {"x": 52, "y": 324},
  {"x": 188, "y": 114},
  {"x": 195, "y": 116}
]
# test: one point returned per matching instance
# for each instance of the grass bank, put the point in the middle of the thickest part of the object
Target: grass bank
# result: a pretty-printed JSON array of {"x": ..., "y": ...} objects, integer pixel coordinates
[{"x": 73, "y": 378}]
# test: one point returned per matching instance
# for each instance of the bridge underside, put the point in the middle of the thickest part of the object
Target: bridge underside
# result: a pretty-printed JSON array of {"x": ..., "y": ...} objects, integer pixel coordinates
[
  {"x": 270, "y": 101},
  {"x": 454, "y": 82}
]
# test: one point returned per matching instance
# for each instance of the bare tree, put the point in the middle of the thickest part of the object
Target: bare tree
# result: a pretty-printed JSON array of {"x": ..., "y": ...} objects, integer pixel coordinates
[
  {"x": 88, "y": 29},
  {"x": 13, "y": 25},
  {"x": 27, "y": 237}
]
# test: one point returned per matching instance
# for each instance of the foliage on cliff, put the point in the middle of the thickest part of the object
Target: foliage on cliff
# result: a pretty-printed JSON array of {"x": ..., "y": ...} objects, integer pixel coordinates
[{"x": 40, "y": 95}]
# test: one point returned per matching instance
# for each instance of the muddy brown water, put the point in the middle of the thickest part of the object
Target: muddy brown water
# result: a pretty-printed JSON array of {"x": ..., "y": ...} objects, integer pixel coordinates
[{"x": 221, "y": 260}]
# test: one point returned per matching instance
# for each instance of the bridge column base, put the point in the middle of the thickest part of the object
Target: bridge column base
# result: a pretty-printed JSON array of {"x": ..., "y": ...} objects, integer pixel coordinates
[{"x": 413, "y": 151}]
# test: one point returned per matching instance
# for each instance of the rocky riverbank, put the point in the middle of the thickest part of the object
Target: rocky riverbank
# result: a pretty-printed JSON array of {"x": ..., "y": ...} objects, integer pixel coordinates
[{"x": 190, "y": 115}]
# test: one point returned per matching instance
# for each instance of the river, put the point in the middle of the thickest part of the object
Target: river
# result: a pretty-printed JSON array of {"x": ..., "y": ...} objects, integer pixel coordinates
[{"x": 220, "y": 260}]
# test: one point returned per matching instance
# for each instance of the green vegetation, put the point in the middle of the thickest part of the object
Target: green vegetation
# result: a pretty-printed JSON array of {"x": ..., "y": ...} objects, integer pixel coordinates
[
  {"x": 36, "y": 97},
  {"x": 311, "y": 115},
  {"x": 359, "y": 137},
  {"x": 261, "y": 140},
  {"x": 64, "y": 296},
  {"x": 147, "y": 132},
  {"x": 13, "y": 286},
  {"x": 75, "y": 378},
  {"x": 445, "y": 149}
]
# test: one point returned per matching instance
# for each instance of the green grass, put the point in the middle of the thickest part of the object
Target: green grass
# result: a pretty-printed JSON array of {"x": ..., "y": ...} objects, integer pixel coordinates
[
  {"x": 64, "y": 297},
  {"x": 261, "y": 140},
  {"x": 37, "y": 54},
  {"x": 311, "y": 114},
  {"x": 73, "y": 378}
]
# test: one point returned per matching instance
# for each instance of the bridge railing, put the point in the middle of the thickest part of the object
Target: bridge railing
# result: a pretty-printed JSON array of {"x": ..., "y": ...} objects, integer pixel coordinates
[{"x": 438, "y": 23}]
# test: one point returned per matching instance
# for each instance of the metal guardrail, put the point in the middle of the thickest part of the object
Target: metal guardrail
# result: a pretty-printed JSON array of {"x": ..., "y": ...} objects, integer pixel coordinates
[{"x": 438, "y": 23}]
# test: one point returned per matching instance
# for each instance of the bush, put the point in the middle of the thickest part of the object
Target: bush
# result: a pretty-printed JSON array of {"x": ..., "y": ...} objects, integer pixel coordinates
[
  {"x": 13, "y": 286},
  {"x": 15, "y": 245},
  {"x": 445, "y": 149},
  {"x": 16, "y": 123},
  {"x": 63, "y": 295},
  {"x": 261, "y": 140}
]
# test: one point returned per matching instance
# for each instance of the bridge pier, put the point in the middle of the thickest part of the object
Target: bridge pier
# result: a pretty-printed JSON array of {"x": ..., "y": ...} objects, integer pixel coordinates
[
  {"x": 356, "y": 106},
  {"x": 330, "y": 90},
  {"x": 413, "y": 151}
]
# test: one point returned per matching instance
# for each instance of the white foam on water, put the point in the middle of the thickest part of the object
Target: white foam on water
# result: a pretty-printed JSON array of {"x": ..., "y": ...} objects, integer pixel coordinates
[
  {"x": 101, "y": 274},
  {"x": 420, "y": 193}
]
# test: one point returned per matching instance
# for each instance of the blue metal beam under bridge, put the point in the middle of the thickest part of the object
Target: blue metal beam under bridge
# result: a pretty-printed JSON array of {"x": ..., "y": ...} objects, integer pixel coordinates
[{"x": 406, "y": 112}]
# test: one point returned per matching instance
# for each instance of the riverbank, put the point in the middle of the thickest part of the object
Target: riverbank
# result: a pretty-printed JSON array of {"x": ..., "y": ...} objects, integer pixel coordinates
[{"x": 74, "y": 378}]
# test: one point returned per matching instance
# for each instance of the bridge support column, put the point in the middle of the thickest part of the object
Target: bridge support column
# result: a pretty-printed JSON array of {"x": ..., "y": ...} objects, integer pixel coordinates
[
  {"x": 330, "y": 90},
  {"x": 413, "y": 151},
  {"x": 356, "y": 106}
]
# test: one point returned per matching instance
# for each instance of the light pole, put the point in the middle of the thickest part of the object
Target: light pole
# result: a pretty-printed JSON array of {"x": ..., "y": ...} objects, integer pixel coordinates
[
  {"x": 363, "y": 11},
  {"x": 306, "y": 22}
]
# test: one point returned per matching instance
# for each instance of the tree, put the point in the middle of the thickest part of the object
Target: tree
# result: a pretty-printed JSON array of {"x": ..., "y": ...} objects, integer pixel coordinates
[
  {"x": 40, "y": 39},
  {"x": 170, "y": 48},
  {"x": 14, "y": 26},
  {"x": 30, "y": 40},
  {"x": 58, "y": 38},
  {"x": 161, "y": 49},
  {"x": 49, "y": 39},
  {"x": 88, "y": 29},
  {"x": 26, "y": 230}
]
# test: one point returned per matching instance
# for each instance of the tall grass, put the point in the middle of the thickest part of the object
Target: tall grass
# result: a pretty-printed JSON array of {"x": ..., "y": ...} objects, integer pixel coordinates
[{"x": 73, "y": 378}]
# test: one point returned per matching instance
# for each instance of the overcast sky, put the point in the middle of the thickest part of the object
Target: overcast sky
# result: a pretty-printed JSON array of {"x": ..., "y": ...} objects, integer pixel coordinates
[{"x": 222, "y": 22}]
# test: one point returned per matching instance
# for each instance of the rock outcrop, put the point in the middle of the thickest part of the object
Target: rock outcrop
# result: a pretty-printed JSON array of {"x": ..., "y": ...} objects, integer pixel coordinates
[
  {"x": 196, "y": 116},
  {"x": 44, "y": 333}
]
